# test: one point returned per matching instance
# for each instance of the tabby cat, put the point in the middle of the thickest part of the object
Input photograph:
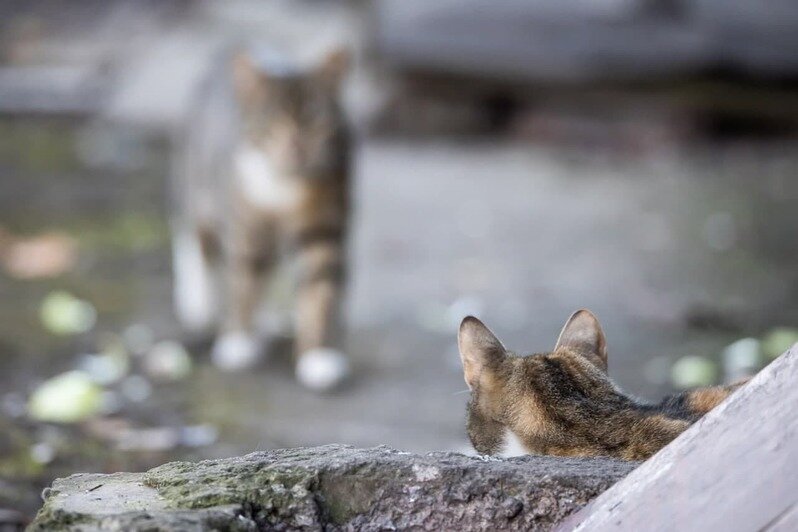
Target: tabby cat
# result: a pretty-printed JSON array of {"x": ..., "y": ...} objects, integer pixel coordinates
[
  {"x": 563, "y": 403},
  {"x": 270, "y": 185}
]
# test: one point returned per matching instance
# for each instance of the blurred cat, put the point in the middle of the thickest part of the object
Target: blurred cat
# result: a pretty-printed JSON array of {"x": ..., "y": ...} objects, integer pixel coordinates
[
  {"x": 563, "y": 403},
  {"x": 282, "y": 194}
]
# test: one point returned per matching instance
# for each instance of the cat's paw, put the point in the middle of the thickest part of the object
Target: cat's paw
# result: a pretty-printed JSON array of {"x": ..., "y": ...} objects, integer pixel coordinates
[
  {"x": 235, "y": 351},
  {"x": 322, "y": 369},
  {"x": 197, "y": 315}
]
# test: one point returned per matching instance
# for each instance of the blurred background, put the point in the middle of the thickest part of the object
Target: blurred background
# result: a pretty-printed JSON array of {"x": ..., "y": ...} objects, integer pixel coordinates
[{"x": 515, "y": 160}]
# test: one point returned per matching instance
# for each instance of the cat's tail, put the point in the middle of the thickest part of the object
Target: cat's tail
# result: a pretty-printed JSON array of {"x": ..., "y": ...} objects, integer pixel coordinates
[{"x": 702, "y": 400}]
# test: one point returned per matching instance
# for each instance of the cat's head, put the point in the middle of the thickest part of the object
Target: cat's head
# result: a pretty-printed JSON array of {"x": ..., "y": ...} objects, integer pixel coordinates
[
  {"x": 542, "y": 403},
  {"x": 292, "y": 112}
]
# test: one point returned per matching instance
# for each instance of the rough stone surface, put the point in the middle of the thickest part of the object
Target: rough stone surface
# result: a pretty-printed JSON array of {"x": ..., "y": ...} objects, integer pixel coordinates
[
  {"x": 736, "y": 469},
  {"x": 332, "y": 487}
]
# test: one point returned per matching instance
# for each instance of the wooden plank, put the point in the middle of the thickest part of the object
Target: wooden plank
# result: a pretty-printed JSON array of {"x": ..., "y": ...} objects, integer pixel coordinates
[{"x": 736, "y": 469}]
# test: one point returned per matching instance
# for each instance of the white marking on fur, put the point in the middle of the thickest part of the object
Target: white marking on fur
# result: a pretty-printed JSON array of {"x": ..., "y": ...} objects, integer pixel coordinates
[
  {"x": 512, "y": 445},
  {"x": 194, "y": 297},
  {"x": 235, "y": 351},
  {"x": 466, "y": 449},
  {"x": 261, "y": 184},
  {"x": 322, "y": 369}
]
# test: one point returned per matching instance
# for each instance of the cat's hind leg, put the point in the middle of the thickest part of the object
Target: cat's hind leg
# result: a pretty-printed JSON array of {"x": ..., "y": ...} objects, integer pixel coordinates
[{"x": 194, "y": 287}]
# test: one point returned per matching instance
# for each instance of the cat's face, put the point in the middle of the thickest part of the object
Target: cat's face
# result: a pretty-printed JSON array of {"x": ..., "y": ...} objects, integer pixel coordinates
[
  {"x": 542, "y": 403},
  {"x": 293, "y": 117}
]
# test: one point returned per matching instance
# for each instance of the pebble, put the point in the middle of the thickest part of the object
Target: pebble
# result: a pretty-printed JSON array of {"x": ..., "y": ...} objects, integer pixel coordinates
[
  {"x": 66, "y": 398},
  {"x": 198, "y": 435},
  {"x": 105, "y": 368},
  {"x": 692, "y": 371},
  {"x": 135, "y": 388},
  {"x": 138, "y": 338},
  {"x": 741, "y": 359},
  {"x": 779, "y": 340},
  {"x": 168, "y": 361},
  {"x": 62, "y": 313},
  {"x": 42, "y": 453}
]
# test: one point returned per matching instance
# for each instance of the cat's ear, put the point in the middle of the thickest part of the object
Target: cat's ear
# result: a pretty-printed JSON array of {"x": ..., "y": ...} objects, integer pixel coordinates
[
  {"x": 582, "y": 333},
  {"x": 248, "y": 80},
  {"x": 334, "y": 66},
  {"x": 480, "y": 350}
]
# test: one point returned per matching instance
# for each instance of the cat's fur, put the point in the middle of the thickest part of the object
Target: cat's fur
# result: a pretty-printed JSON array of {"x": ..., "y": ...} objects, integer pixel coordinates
[
  {"x": 278, "y": 189},
  {"x": 563, "y": 403}
]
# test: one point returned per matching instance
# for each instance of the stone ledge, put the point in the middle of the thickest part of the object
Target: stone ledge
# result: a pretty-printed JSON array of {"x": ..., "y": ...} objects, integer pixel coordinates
[{"x": 332, "y": 487}]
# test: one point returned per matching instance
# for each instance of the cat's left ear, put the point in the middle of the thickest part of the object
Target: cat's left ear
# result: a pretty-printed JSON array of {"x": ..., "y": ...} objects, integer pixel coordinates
[
  {"x": 247, "y": 80},
  {"x": 480, "y": 351},
  {"x": 582, "y": 333},
  {"x": 334, "y": 66}
]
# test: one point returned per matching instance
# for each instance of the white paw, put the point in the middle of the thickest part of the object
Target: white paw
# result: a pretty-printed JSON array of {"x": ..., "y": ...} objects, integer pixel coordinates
[
  {"x": 322, "y": 369},
  {"x": 197, "y": 315},
  {"x": 194, "y": 297},
  {"x": 235, "y": 351}
]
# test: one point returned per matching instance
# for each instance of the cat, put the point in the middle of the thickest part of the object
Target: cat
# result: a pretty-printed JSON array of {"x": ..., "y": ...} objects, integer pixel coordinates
[
  {"x": 270, "y": 185},
  {"x": 563, "y": 403}
]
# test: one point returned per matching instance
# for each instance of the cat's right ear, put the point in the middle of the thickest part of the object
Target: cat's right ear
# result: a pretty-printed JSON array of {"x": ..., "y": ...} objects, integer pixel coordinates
[
  {"x": 480, "y": 350},
  {"x": 246, "y": 77},
  {"x": 582, "y": 333}
]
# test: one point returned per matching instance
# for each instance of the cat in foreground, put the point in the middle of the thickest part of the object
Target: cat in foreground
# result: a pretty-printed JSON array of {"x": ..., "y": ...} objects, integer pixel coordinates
[
  {"x": 563, "y": 403},
  {"x": 270, "y": 185}
]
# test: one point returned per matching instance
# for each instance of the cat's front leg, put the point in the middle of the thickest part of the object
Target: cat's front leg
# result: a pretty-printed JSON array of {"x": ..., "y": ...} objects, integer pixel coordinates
[
  {"x": 320, "y": 365},
  {"x": 250, "y": 259}
]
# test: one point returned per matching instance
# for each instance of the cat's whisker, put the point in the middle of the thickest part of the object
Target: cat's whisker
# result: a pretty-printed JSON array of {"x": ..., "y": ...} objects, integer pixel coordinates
[{"x": 461, "y": 392}]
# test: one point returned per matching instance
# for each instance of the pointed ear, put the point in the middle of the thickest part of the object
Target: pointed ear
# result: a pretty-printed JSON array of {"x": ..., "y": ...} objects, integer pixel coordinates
[
  {"x": 480, "y": 350},
  {"x": 248, "y": 80},
  {"x": 582, "y": 333},
  {"x": 334, "y": 66}
]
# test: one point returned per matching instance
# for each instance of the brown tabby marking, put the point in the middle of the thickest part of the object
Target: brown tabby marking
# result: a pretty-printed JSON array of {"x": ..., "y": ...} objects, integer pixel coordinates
[
  {"x": 563, "y": 403},
  {"x": 703, "y": 400}
]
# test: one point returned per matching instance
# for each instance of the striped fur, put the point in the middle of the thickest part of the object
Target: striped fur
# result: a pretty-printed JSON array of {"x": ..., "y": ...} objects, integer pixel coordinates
[
  {"x": 283, "y": 194},
  {"x": 563, "y": 403}
]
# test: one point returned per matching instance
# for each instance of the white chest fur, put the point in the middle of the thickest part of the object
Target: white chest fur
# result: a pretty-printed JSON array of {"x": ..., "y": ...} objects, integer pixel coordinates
[
  {"x": 260, "y": 184},
  {"x": 512, "y": 445}
]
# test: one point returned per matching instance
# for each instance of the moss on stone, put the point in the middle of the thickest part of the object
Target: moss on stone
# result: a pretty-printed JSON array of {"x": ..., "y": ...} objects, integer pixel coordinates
[
  {"x": 50, "y": 518},
  {"x": 336, "y": 487}
]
